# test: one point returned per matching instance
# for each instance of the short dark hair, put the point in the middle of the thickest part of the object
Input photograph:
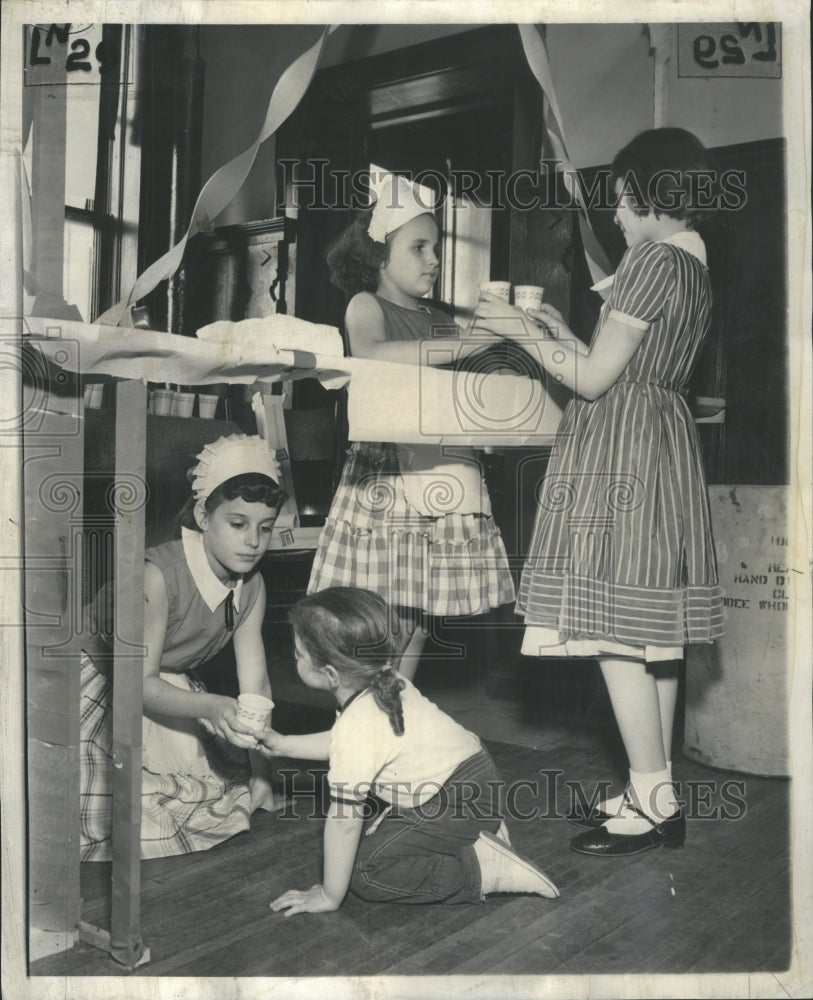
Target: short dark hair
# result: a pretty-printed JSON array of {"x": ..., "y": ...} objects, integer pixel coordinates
[
  {"x": 252, "y": 487},
  {"x": 661, "y": 170},
  {"x": 349, "y": 628},
  {"x": 354, "y": 259}
]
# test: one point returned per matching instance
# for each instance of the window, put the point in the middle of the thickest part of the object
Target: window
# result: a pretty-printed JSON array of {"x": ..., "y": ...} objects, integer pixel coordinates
[{"x": 80, "y": 82}]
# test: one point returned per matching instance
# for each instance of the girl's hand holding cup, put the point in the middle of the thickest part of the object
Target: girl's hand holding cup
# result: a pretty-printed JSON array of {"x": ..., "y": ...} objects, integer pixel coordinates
[
  {"x": 495, "y": 314},
  {"x": 224, "y": 722},
  {"x": 552, "y": 320},
  {"x": 271, "y": 743}
]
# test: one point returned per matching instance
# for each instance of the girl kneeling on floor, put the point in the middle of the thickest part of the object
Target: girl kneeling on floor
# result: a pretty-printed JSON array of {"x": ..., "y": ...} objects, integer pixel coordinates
[
  {"x": 202, "y": 591},
  {"x": 441, "y": 838}
]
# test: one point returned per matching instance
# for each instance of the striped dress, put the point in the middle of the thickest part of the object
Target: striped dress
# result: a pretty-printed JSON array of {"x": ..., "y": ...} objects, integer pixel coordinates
[
  {"x": 452, "y": 564},
  {"x": 621, "y": 559}
]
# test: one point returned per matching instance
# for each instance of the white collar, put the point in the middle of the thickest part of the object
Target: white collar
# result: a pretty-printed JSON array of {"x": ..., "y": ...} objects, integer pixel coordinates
[
  {"x": 213, "y": 592},
  {"x": 686, "y": 239},
  {"x": 690, "y": 241}
]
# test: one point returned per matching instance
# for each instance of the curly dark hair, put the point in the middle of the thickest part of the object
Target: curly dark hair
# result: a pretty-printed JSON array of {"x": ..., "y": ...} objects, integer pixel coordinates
[
  {"x": 354, "y": 259},
  {"x": 669, "y": 171},
  {"x": 252, "y": 487},
  {"x": 349, "y": 628}
]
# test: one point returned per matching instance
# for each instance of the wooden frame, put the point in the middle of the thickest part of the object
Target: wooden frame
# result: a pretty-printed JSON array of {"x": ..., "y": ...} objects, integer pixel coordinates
[{"x": 53, "y": 476}]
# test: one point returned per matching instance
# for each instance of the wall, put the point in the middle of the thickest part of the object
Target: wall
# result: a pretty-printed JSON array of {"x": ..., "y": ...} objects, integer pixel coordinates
[
  {"x": 603, "y": 73},
  {"x": 722, "y": 112},
  {"x": 604, "y": 78},
  {"x": 242, "y": 66}
]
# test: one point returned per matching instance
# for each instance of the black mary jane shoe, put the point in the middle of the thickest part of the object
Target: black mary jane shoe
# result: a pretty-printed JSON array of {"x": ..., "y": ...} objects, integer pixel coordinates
[
  {"x": 601, "y": 843},
  {"x": 595, "y": 818},
  {"x": 590, "y": 820}
]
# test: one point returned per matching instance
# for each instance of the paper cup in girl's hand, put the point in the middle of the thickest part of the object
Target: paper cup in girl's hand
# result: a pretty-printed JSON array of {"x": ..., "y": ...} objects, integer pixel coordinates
[
  {"x": 528, "y": 296},
  {"x": 499, "y": 288},
  {"x": 255, "y": 711}
]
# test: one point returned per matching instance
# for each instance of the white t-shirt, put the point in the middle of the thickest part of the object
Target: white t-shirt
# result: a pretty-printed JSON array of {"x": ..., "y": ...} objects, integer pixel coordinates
[{"x": 407, "y": 770}]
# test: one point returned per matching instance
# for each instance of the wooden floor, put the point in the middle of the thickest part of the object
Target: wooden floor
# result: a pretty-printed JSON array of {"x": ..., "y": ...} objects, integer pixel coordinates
[{"x": 720, "y": 904}]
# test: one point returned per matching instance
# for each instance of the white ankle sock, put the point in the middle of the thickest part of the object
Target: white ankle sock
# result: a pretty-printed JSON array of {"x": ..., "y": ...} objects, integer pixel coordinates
[
  {"x": 653, "y": 794},
  {"x": 613, "y": 806}
]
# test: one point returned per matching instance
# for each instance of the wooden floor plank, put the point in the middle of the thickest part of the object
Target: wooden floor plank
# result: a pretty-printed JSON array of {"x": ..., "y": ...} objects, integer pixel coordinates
[{"x": 207, "y": 914}]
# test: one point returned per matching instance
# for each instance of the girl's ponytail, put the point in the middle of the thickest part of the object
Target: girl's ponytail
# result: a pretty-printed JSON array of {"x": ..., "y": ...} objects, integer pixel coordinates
[{"x": 386, "y": 689}]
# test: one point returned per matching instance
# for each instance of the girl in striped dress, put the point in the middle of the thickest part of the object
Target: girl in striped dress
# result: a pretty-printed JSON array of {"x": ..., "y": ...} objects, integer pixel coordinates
[
  {"x": 391, "y": 528},
  {"x": 621, "y": 564}
]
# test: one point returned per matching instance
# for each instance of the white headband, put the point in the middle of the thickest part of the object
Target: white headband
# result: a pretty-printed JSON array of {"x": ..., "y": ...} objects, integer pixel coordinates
[
  {"x": 230, "y": 456},
  {"x": 398, "y": 202}
]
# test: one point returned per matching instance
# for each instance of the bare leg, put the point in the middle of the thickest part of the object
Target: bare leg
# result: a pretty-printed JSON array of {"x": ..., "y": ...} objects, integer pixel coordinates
[
  {"x": 666, "y": 678},
  {"x": 634, "y": 697}
]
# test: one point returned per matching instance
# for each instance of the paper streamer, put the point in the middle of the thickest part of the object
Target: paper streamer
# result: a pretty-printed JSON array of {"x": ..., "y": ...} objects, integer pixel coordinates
[
  {"x": 537, "y": 56},
  {"x": 225, "y": 182}
]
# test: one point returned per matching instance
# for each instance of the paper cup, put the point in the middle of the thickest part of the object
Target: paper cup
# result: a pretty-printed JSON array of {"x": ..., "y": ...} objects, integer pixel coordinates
[
  {"x": 162, "y": 401},
  {"x": 255, "y": 711},
  {"x": 501, "y": 288},
  {"x": 528, "y": 296},
  {"x": 183, "y": 404},
  {"x": 94, "y": 395},
  {"x": 207, "y": 405}
]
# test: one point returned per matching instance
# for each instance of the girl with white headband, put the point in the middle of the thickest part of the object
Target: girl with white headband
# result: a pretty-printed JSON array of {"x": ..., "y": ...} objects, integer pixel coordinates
[
  {"x": 406, "y": 522},
  {"x": 201, "y": 591}
]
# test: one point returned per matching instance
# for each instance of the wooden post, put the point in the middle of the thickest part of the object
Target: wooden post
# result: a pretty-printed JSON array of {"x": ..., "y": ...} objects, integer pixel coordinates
[
  {"x": 52, "y": 476},
  {"x": 126, "y": 945}
]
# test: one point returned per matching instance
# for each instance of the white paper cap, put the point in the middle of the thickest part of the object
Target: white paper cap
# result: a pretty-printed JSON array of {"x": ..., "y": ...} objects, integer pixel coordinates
[
  {"x": 398, "y": 202},
  {"x": 230, "y": 456}
]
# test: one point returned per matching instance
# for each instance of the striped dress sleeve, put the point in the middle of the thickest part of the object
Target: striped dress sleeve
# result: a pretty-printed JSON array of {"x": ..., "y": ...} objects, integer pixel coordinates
[{"x": 642, "y": 283}]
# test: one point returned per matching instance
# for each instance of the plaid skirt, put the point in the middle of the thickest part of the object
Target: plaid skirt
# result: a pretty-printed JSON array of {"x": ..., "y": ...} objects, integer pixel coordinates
[
  {"x": 455, "y": 564},
  {"x": 180, "y": 812}
]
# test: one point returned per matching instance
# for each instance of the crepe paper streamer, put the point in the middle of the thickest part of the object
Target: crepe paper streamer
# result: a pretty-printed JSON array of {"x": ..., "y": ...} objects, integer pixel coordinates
[
  {"x": 25, "y": 219},
  {"x": 537, "y": 56},
  {"x": 225, "y": 182}
]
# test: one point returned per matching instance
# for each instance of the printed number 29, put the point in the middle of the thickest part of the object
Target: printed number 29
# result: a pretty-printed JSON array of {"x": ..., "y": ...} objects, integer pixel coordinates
[
  {"x": 705, "y": 47},
  {"x": 106, "y": 53}
]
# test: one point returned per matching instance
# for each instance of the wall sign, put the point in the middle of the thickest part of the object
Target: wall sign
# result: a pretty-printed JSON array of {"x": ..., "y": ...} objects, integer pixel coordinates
[
  {"x": 743, "y": 48},
  {"x": 68, "y": 53}
]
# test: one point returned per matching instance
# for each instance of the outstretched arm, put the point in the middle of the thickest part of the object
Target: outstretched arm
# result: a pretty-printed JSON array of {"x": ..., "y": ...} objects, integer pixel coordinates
[
  {"x": 306, "y": 746},
  {"x": 587, "y": 371},
  {"x": 364, "y": 322}
]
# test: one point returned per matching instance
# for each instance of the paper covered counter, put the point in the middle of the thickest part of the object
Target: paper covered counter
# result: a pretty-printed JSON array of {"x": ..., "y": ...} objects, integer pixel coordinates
[
  {"x": 416, "y": 404},
  {"x": 411, "y": 404},
  {"x": 227, "y": 354}
]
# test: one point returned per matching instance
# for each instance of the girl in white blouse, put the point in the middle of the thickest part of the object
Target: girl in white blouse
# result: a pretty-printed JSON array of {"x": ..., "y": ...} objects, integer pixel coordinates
[{"x": 440, "y": 838}]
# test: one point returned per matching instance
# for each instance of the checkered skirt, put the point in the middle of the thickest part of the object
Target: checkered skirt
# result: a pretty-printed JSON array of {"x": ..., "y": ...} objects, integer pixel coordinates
[
  {"x": 180, "y": 813},
  {"x": 454, "y": 564}
]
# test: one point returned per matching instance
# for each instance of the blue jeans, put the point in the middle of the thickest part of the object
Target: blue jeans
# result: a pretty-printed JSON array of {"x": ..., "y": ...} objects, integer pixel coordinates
[{"x": 426, "y": 854}]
